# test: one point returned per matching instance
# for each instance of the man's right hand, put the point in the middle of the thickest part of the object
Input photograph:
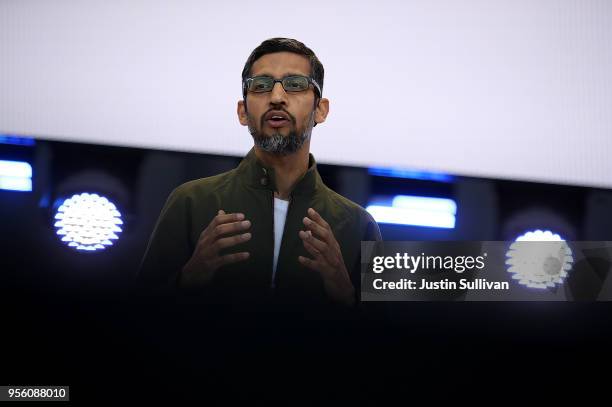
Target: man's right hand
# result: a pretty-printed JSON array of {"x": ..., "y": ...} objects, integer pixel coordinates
[{"x": 225, "y": 230}]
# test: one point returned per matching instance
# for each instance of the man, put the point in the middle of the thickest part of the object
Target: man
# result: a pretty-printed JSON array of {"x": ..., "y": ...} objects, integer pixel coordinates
[{"x": 269, "y": 229}]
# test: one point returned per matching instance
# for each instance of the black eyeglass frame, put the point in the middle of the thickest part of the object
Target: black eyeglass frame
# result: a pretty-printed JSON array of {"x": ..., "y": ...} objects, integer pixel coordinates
[{"x": 246, "y": 83}]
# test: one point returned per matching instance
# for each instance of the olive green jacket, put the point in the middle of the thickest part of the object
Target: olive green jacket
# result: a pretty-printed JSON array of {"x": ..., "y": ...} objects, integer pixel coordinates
[{"x": 249, "y": 189}]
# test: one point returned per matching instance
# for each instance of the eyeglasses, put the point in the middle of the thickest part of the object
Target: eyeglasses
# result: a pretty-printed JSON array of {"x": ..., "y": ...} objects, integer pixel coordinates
[{"x": 292, "y": 83}]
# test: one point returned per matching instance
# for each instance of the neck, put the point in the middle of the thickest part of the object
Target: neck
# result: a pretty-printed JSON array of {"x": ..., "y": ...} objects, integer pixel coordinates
[{"x": 288, "y": 169}]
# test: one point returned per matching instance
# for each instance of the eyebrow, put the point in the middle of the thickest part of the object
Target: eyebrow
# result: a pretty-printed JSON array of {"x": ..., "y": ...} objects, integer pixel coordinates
[{"x": 272, "y": 76}]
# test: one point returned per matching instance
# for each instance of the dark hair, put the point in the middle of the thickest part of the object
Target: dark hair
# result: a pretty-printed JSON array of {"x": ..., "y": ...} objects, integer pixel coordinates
[{"x": 288, "y": 45}]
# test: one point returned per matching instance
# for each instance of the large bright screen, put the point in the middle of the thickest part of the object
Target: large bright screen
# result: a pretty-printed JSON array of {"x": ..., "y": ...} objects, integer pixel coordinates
[{"x": 514, "y": 89}]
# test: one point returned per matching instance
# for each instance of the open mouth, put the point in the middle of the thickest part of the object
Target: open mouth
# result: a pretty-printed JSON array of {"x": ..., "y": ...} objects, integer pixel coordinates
[
  {"x": 277, "y": 119},
  {"x": 277, "y": 122}
]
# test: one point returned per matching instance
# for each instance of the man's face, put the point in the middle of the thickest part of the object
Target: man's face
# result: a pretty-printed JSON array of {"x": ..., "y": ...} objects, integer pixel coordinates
[{"x": 286, "y": 135}]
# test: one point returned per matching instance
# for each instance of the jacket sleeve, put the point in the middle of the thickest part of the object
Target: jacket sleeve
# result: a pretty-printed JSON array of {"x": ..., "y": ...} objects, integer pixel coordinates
[
  {"x": 372, "y": 231},
  {"x": 369, "y": 232},
  {"x": 169, "y": 247}
]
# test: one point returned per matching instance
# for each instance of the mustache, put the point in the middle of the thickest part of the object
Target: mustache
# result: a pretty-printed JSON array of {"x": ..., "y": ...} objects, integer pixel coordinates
[{"x": 291, "y": 117}]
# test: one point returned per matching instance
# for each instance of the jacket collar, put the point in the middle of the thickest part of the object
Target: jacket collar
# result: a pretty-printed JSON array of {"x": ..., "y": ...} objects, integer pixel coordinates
[{"x": 256, "y": 175}]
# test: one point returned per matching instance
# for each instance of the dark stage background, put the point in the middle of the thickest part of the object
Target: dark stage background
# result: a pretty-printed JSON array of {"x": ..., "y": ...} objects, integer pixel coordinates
[{"x": 73, "y": 318}]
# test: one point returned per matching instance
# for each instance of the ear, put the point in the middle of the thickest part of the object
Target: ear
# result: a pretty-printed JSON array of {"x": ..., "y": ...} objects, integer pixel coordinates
[
  {"x": 321, "y": 111},
  {"x": 242, "y": 114}
]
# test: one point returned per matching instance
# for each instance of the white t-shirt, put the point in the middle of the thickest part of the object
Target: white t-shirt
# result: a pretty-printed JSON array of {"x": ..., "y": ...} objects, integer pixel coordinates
[{"x": 280, "y": 215}]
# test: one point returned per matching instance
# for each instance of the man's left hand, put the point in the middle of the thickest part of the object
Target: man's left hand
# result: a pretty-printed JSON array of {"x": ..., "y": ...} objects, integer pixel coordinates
[{"x": 320, "y": 242}]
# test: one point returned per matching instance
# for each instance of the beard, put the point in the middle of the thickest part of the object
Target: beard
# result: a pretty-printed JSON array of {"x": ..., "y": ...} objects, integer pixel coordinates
[{"x": 276, "y": 143}]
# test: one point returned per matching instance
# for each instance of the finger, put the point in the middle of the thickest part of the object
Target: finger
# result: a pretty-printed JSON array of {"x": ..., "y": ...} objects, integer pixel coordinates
[
  {"x": 325, "y": 231},
  {"x": 234, "y": 227},
  {"x": 233, "y": 258},
  {"x": 318, "y": 230},
  {"x": 309, "y": 263},
  {"x": 312, "y": 250},
  {"x": 307, "y": 236},
  {"x": 232, "y": 241},
  {"x": 209, "y": 234},
  {"x": 326, "y": 254},
  {"x": 226, "y": 218},
  {"x": 314, "y": 215}
]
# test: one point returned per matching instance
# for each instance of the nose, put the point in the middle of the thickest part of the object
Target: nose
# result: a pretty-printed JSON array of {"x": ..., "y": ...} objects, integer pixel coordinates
[{"x": 278, "y": 94}]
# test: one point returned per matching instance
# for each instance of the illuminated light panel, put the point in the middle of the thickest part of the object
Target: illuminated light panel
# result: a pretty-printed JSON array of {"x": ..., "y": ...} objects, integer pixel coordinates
[
  {"x": 410, "y": 174},
  {"x": 425, "y": 203},
  {"x": 15, "y": 175},
  {"x": 416, "y": 211},
  {"x": 16, "y": 140},
  {"x": 539, "y": 266},
  {"x": 88, "y": 222},
  {"x": 15, "y": 184},
  {"x": 19, "y": 169}
]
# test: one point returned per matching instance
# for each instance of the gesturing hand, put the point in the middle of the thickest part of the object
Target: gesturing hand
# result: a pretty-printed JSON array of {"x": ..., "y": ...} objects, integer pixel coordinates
[
  {"x": 206, "y": 260},
  {"x": 320, "y": 242}
]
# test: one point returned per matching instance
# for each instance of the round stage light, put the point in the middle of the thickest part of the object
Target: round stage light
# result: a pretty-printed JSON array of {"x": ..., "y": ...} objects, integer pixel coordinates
[
  {"x": 88, "y": 222},
  {"x": 539, "y": 259}
]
